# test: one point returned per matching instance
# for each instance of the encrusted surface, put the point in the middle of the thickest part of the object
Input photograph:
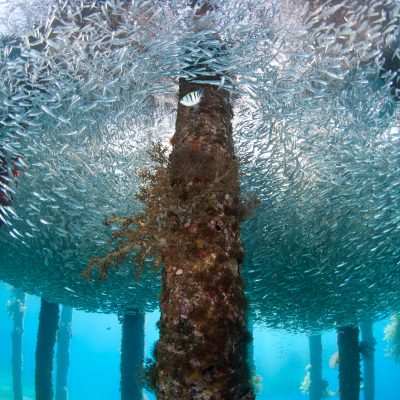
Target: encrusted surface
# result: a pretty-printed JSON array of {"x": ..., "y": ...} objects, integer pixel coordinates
[{"x": 202, "y": 351}]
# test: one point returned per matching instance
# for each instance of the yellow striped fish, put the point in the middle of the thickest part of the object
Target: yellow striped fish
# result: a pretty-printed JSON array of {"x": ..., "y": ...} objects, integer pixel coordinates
[{"x": 192, "y": 98}]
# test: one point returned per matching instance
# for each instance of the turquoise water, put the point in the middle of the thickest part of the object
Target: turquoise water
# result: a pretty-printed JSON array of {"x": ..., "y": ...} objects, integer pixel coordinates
[{"x": 279, "y": 358}]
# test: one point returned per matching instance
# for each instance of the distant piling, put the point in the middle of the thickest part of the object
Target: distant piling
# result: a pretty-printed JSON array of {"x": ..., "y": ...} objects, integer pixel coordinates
[
  {"x": 132, "y": 356},
  {"x": 316, "y": 386},
  {"x": 349, "y": 363},
  {"x": 63, "y": 344},
  {"x": 367, "y": 350},
  {"x": 46, "y": 339},
  {"x": 17, "y": 311}
]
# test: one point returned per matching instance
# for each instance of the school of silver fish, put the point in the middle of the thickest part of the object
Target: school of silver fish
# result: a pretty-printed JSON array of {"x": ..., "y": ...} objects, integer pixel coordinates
[{"x": 85, "y": 91}]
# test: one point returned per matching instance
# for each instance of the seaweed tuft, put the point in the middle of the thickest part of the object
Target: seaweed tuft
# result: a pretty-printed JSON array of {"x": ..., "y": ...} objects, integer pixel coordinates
[{"x": 173, "y": 210}]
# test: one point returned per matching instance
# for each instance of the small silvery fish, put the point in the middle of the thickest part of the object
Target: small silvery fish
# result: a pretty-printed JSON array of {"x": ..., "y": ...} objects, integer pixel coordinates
[{"x": 192, "y": 98}]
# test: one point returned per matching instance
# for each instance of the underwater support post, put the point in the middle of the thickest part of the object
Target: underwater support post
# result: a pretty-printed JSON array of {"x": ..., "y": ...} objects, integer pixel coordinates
[
  {"x": 349, "y": 362},
  {"x": 46, "y": 339},
  {"x": 63, "y": 343},
  {"x": 132, "y": 355},
  {"x": 202, "y": 350},
  {"x": 367, "y": 350},
  {"x": 317, "y": 384},
  {"x": 17, "y": 308}
]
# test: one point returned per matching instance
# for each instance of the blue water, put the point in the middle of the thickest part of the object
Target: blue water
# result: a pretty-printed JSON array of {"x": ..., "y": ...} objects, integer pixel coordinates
[{"x": 279, "y": 357}]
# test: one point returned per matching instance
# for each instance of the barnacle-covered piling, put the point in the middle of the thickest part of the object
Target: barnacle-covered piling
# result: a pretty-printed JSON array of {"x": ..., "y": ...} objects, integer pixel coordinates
[
  {"x": 190, "y": 225},
  {"x": 202, "y": 351}
]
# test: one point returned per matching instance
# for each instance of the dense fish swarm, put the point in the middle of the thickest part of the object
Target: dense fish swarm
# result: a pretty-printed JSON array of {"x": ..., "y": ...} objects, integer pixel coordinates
[{"x": 85, "y": 92}]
